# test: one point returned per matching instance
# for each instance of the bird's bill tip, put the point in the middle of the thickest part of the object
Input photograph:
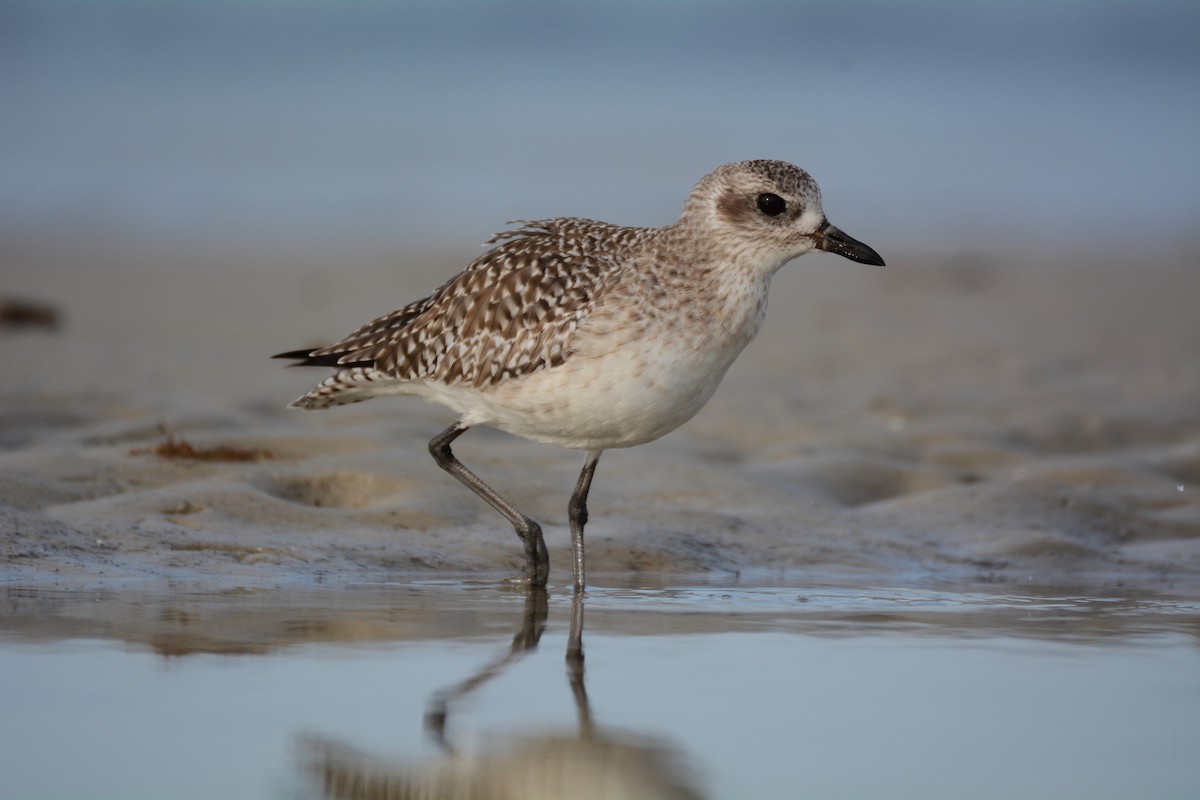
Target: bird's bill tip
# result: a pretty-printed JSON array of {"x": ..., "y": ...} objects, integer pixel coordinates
[{"x": 833, "y": 239}]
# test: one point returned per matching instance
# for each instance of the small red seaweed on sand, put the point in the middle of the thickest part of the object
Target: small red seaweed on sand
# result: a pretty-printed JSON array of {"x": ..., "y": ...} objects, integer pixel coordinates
[
  {"x": 26, "y": 314},
  {"x": 177, "y": 448}
]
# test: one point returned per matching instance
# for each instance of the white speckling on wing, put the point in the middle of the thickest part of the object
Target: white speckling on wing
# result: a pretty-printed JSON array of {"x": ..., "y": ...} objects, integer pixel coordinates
[{"x": 513, "y": 311}]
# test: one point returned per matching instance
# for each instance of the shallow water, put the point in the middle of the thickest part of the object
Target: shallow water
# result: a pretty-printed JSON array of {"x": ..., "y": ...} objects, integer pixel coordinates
[{"x": 712, "y": 691}]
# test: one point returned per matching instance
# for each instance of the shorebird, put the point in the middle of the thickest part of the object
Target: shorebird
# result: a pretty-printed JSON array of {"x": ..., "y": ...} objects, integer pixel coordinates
[{"x": 588, "y": 335}]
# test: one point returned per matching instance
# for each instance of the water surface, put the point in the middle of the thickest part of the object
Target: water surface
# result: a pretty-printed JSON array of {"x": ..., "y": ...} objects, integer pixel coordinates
[{"x": 686, "y": 691}]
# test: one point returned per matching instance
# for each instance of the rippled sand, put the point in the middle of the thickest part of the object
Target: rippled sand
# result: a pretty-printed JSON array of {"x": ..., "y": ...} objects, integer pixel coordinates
[{"x": 1025, "y": 417}]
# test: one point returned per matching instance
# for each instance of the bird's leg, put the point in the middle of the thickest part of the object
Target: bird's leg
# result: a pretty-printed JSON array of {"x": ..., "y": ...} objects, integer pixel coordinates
[
  {"x": 537, "y": 560},
  {"x": 578, "y": 515}
]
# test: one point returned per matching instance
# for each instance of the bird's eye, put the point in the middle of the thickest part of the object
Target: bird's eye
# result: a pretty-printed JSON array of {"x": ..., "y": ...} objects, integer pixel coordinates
[{"x": 771, "y": 204}]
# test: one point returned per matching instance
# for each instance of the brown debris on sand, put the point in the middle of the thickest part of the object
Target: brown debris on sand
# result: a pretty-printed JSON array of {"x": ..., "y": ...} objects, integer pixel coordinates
[
  {"x": 25, "y": 314},
  {"x": 179, "y": 449}
]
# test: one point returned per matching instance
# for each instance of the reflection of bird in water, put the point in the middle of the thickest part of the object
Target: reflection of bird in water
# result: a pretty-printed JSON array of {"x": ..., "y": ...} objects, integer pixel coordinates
[
  {"x": 585, "y": 764},
  {"x": 533, "y": 768},
  {"x": 588, "y": 335}
]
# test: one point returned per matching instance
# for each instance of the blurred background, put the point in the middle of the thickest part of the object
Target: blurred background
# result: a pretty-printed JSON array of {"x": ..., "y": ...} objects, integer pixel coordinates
[{"x": 929, "y": 124}]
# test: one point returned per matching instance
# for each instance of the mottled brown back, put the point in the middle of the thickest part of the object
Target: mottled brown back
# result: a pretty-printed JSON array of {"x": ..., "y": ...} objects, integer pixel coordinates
[{"x": 513, "y": 311}]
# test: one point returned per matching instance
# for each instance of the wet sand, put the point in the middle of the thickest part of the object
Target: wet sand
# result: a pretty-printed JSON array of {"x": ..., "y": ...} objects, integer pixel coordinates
[{"x": 1026, "y": 417}]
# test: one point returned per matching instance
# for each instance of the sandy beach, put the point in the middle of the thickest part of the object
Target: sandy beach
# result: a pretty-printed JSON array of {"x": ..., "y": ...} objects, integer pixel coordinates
[{"x": 1031, "y": 416}]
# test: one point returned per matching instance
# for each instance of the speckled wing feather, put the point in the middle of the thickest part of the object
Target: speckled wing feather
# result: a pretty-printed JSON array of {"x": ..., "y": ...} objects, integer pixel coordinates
[{"x": 512, "y": 312}]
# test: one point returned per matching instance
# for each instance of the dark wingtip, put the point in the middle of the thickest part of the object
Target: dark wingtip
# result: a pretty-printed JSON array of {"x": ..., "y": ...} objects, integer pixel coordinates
[
  {"x": 294, "y": 354},
  {"x": 305, "y": 358}
]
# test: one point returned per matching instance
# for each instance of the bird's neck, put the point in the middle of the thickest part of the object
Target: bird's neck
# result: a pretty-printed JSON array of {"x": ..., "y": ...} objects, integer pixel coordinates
[{"x": 726, "y": 286}]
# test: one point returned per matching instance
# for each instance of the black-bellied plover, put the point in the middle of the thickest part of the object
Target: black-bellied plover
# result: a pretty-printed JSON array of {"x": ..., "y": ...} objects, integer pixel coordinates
[{"x": 588, "y": 335}]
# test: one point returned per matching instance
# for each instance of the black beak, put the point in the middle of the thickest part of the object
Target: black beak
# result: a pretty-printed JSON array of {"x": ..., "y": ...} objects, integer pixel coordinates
[{"x": 831, "y": 239}]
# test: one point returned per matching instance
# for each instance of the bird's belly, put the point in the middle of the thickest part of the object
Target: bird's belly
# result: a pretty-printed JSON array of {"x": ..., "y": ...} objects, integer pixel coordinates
[{"x": 620, "y": 398}]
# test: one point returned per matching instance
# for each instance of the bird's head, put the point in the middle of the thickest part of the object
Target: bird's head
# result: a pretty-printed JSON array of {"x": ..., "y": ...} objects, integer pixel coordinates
[{"x": 767, "y": 213}]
